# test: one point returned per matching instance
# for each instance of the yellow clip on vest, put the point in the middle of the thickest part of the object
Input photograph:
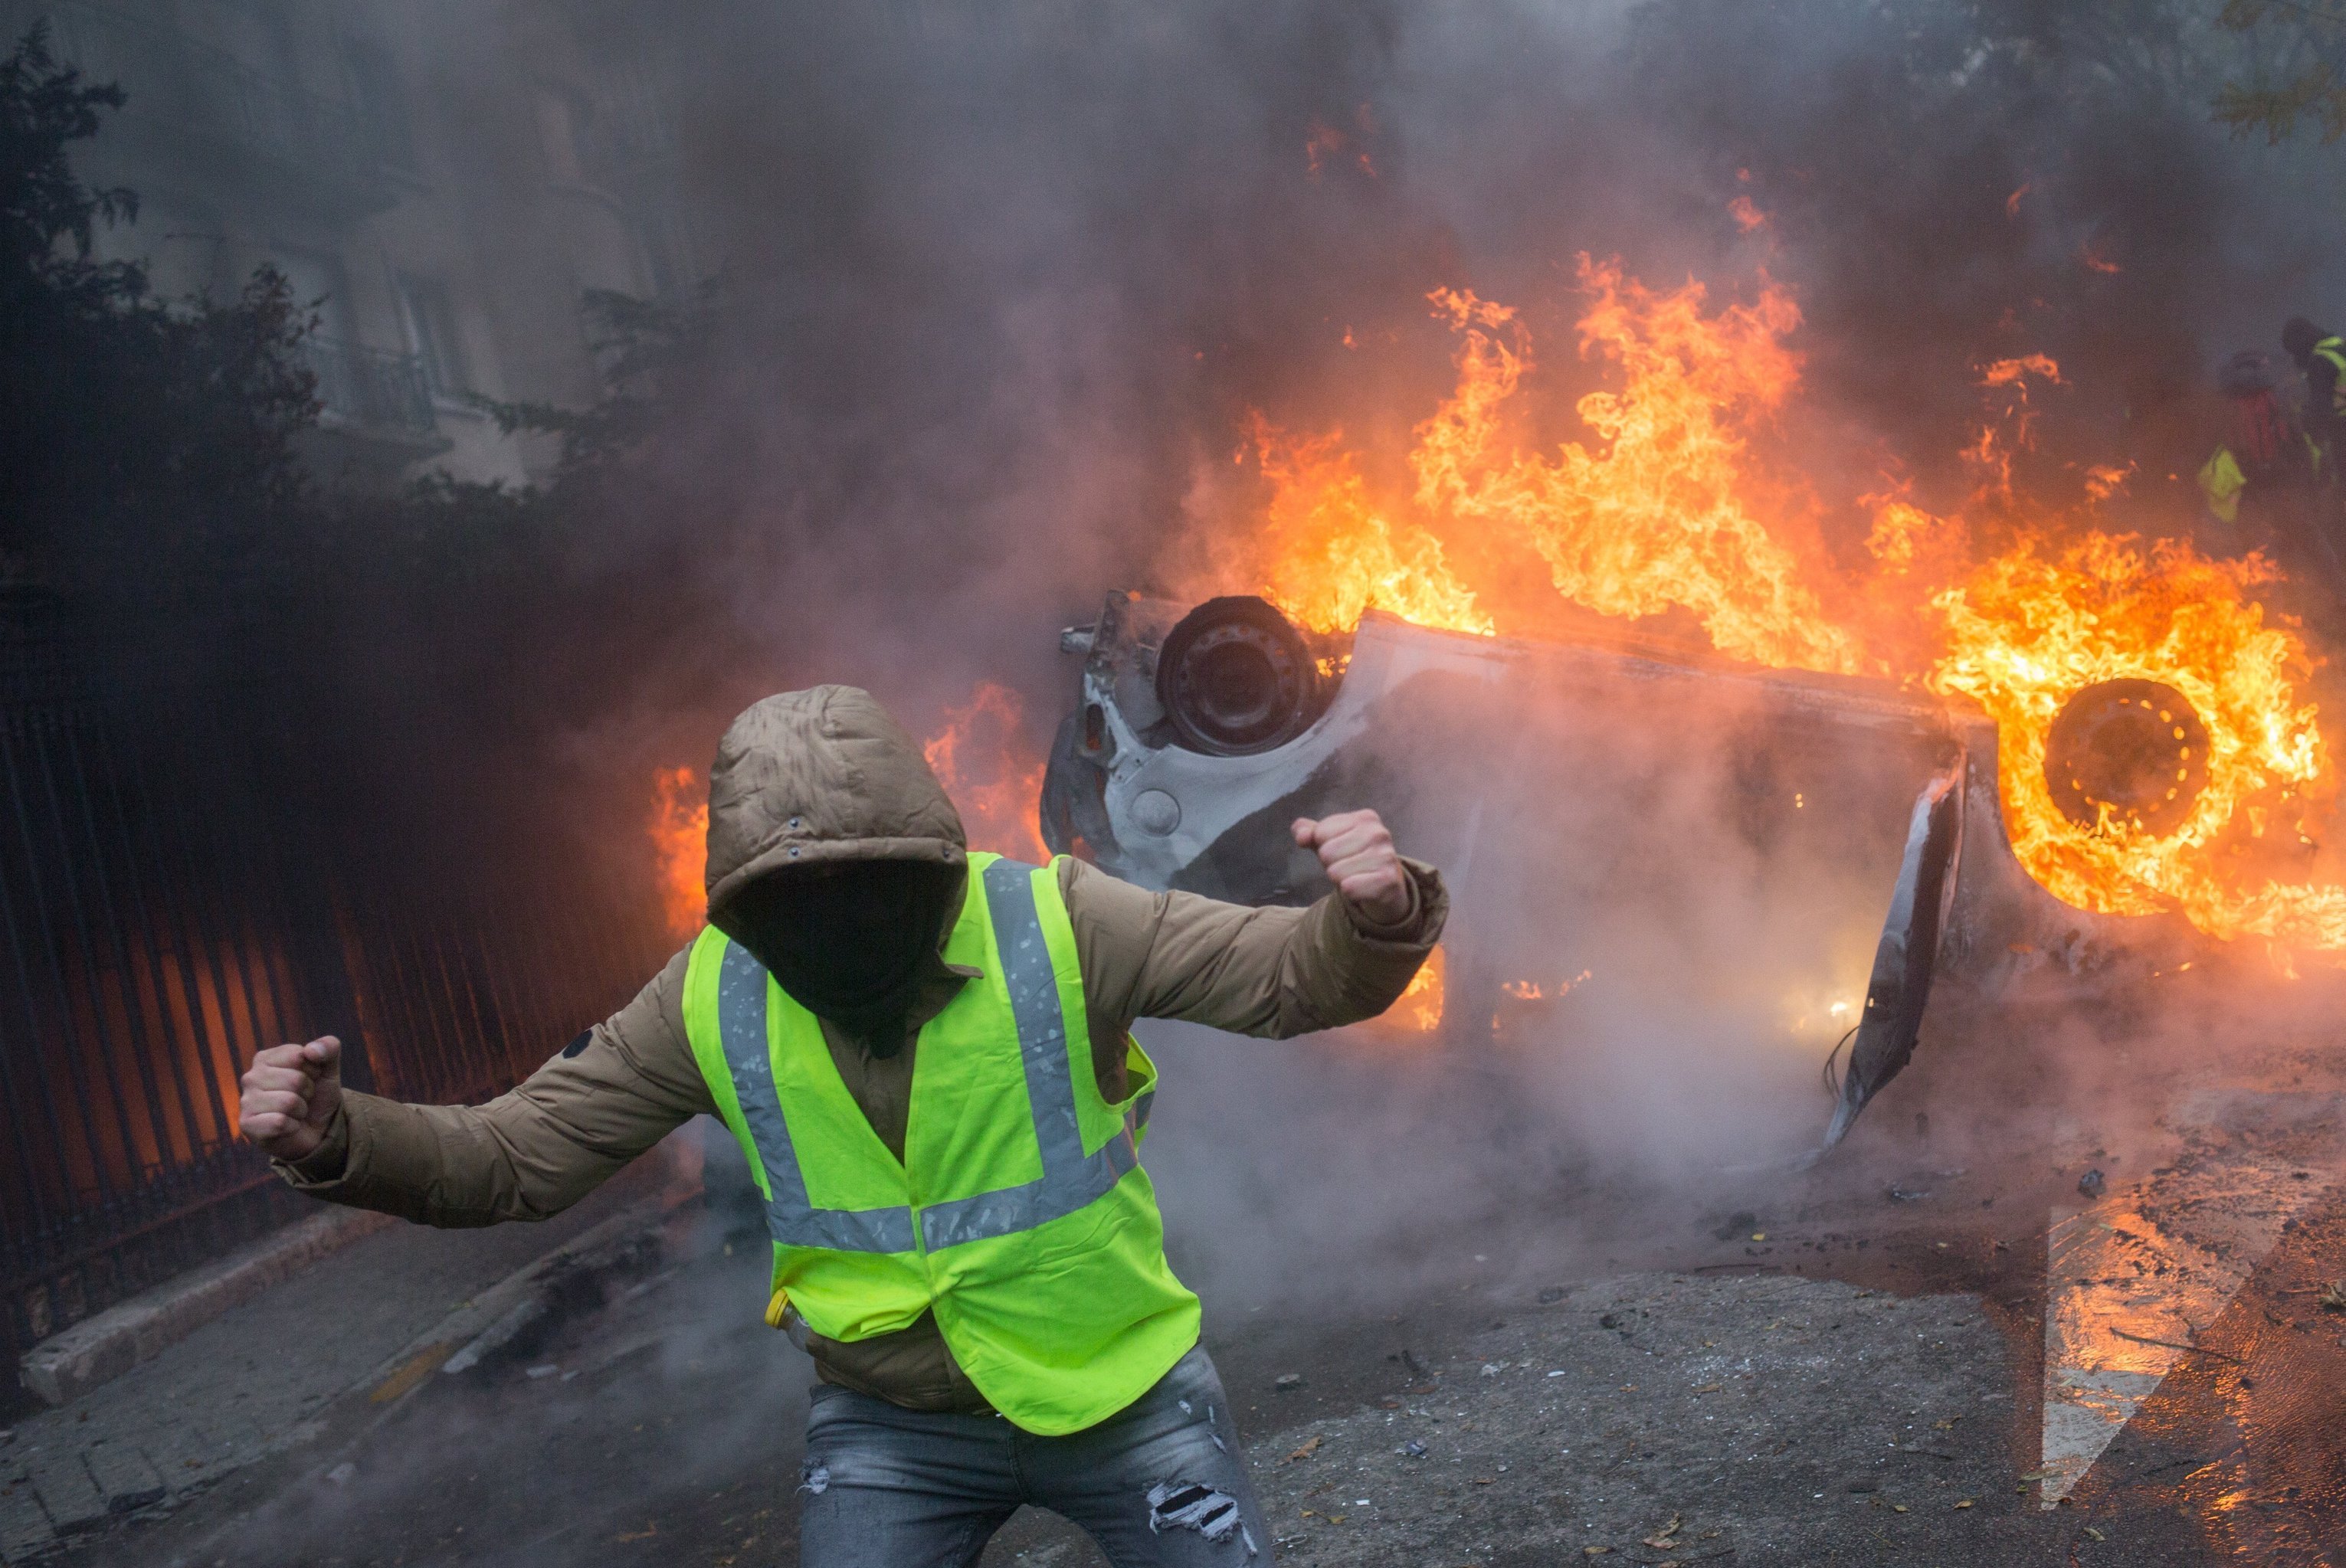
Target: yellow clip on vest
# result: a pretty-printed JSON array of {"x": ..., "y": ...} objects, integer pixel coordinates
[{"x": 1019, "y": 1215}]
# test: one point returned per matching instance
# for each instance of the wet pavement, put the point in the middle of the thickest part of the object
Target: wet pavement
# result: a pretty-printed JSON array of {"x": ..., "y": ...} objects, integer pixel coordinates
[{"x": 1896, "y": 1359}]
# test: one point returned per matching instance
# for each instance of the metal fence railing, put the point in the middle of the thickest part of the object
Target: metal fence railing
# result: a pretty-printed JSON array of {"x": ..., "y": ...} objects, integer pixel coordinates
[
  {"x": 371, "y": 389},
  {"x": 458, "y": 1003},
  {"x": 162, "y": 916},
  {"x": 145, "y": 951}
]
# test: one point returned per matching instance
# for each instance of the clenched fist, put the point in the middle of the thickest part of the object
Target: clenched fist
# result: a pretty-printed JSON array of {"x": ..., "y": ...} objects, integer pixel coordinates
[
  {"x": 1357, "y": 849},
  {"x": 290, "y": 1095}
]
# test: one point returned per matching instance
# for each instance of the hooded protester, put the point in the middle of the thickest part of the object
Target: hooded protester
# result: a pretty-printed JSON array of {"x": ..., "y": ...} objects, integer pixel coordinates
[
  {"x": 925, "y": 1054},
  {"x": 2255, "y": 480}
]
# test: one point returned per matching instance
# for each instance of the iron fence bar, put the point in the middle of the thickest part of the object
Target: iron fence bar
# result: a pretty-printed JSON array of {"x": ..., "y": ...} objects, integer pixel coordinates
[
  {"x": 143, "y": 925},
  {"x": 551, "y": 976},
  {"x": 431, "y": 962},
  {"x": 615, "y": 959},
  {"x": 304, "y": 980},
  {"x": 133, "y": 1014},
  {"x": 456, "y": 1063},
  {"x": 493, "y": 1045},
  {"x": 195, "y": 945},
  {"x": 458, "y": 988},
  {"x": 518, "y": 972},
  {"x": 76, "y": 1065},
  {"x": 427, "y": 1050},
  {"x": 599, "y": 957},
  {"x": 238, "y": 962},
  {"x": 238, "y": 959},
  {"x": 254, "y": 906},
  {"x": 107, "y": 1060},
  {"x": 59, "y": 1145},
  {"x": 388, "y": 1046},
  {"x": 42, "y": 1213},
  {"x": 560, "y": 957},
  {"x": 215, "y": 1044},
  {"x": 485, "y": 966},
  {"x": 427, "y": 1016},
  {"x": 505, "y": 972},
  {"x": 490, "y": 965},
  {"x": 49, "y": 1264}
]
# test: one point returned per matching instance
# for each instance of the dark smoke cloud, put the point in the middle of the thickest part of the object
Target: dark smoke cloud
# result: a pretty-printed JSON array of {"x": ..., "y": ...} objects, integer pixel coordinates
[
  {"x": 998, "y": 283},
  {"x": 996, "y": 280}
]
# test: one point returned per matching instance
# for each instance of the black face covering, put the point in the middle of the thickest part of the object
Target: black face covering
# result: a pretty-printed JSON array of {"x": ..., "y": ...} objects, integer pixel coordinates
[{"x": 846, "y": 942}]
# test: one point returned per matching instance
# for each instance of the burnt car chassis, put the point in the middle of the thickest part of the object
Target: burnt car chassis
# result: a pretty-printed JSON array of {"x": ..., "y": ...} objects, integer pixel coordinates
[{"x": 1560, "y": 782}]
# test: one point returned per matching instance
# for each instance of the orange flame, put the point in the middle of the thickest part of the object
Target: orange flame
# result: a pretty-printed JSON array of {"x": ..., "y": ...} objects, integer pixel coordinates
[
  {"x": 2104, "y": 480},
  {"x": 2014, "y": 372},
  {"x": 1746, "y": 214},
  {"x": 1658, "y": 513},
  {"x": 2030, "y": 629},
  {"x": 1418, "y": 1008},
  {"x": 1329, "y": 553},
  {"x": 982, "y": 759},
  {"x": 1534, "y": 990},
  {"x": 678, "y": 829},
  {"x": 1654, "y": 520}
]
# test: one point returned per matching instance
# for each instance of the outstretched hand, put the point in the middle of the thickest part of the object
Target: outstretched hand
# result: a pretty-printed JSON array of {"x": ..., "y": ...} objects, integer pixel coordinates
[
  {"x": 290, "y": 1095},
  {"x": 1356, "y": 849}
]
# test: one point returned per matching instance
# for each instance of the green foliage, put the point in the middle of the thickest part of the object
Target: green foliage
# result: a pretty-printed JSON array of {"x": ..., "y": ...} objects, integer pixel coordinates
[
  {"x": 151, "y": 472},
  {"x": 2309, "y": 86},
  {"x": 648, "y": 349},
  {"x": 147, "y": 445}
]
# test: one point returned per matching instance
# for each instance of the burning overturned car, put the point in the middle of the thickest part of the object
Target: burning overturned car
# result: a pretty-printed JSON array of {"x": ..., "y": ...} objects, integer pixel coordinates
[
  {"x": 1730, "y": 781},
  {"x": 1599, "y": 803}
]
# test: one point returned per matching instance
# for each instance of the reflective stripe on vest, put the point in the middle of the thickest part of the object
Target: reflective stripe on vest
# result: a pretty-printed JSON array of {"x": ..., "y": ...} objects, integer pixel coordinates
[
  {"x": 1070, "y": 1178},
  {"x": 794, "y": 1221}
]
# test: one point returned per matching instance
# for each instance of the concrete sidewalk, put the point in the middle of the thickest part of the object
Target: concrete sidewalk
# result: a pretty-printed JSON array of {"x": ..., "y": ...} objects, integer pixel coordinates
[{"x": 255, "y": 1380}]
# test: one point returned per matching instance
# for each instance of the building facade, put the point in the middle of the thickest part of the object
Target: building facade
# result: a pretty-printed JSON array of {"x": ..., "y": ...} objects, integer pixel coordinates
[{"x": 443, "y": 182}]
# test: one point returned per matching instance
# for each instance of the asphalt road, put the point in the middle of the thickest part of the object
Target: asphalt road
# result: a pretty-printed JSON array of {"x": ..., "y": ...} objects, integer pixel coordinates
[{"x": 1892, "y": 1359}]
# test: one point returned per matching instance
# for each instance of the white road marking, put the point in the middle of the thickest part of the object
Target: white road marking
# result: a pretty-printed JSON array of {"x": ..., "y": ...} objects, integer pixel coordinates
[{"x": 2118, "y": 1281}]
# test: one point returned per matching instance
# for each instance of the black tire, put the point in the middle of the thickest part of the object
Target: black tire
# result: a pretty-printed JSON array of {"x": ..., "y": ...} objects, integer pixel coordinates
[{"x": 1236, "y": 677}]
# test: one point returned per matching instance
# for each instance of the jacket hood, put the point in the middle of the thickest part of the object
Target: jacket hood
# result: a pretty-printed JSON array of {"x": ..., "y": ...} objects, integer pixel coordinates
[{"x": 821, "y": 775}]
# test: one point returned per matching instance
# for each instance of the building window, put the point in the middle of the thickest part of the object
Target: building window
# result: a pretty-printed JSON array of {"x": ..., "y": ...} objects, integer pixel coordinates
[
  {"x": 431, "y": 328},
  {"x": 382, "y": 103}
]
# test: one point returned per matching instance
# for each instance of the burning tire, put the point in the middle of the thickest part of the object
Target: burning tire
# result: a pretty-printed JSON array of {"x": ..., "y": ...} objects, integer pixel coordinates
[
  {"x": 1236, "y": 677},
  {"x": 2134, "y": 750}
]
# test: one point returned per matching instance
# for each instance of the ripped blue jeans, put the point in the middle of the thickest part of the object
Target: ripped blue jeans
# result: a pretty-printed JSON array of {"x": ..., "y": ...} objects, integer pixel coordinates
[{"x": 1160, "y": 1484}]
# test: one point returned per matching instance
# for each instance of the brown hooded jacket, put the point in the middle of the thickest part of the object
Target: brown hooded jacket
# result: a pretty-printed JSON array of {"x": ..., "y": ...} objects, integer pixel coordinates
[{"x": 827, "y": 775}]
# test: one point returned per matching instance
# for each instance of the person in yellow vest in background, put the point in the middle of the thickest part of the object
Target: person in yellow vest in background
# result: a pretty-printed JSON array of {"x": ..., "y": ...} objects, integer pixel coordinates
[
  {"x": 2258, "y": 481},
  {"x": 925, "y": 1055},
  {"x": 2320, "y": 356}
]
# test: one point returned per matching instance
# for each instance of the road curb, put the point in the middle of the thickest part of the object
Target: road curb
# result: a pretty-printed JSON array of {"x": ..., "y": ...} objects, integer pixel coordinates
[
  {"x": 67, "y": 1365},
  {"x": 481, "y": 1326}
]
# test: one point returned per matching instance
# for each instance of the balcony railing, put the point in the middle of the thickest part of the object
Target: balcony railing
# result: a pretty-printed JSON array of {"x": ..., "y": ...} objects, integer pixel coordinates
[
  {"x": 370, "y": 391},
  {"x": 203, "y": 95}
]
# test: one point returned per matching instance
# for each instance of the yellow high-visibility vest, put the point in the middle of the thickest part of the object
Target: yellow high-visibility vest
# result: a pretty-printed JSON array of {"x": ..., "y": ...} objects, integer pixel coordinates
[
  {"x": 1019, "y": 1214},
  {"x": 2221, "y": 482}
]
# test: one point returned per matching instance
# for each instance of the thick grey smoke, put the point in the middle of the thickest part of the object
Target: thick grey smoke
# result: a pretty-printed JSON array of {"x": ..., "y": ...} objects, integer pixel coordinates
[
  {"x": 999, "y": 282},
  {"x": 996, "y": 279}
]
